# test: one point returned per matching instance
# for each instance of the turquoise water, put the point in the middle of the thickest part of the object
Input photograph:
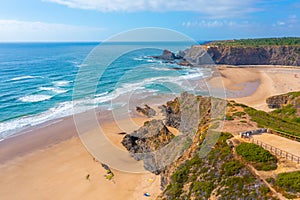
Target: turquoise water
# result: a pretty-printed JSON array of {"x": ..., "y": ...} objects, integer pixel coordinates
[{"x": 37, "y": 80}]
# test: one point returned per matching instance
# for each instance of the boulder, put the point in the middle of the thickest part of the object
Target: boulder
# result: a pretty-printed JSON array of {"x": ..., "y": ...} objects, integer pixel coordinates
[
  {"x": 147, "y": 111},
  {"x": 166, "y": 55}
]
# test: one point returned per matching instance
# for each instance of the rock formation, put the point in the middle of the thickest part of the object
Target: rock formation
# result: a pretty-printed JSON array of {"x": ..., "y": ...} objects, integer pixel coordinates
[
  {"x": 170, "y": 57},
  {"x": 147, "y": 111},
  {"x": 279, "y": 101},
  {"x": 143, "y": 143},
  {"x": 231, "y": 55},
  {"x": 167, "y": 55}
]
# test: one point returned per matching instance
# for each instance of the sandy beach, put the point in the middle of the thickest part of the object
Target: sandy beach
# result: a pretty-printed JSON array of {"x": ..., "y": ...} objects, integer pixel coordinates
[
  {"x": 50, "y": 162},
  {"x": 251, "y": 85}
]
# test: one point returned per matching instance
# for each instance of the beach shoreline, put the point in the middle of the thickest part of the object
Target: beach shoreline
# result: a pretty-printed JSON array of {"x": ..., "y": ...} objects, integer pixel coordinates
[{"x": 50, "y": 161}]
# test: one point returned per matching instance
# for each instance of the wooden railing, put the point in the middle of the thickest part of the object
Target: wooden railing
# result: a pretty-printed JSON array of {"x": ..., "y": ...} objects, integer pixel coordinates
[
  {"x": 283, "y": 134},
  {"x": 277, "y": 151}
]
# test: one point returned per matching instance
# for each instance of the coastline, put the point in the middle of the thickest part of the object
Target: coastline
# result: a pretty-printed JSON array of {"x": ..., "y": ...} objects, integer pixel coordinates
[
  {"x": 251, "y": 85},
  {"x": 50, "y": 160}
]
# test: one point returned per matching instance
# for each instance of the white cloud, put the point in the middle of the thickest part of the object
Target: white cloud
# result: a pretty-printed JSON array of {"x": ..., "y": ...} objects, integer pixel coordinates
[
  {"x": 16, "y": 30},
  {"x": 280, "y": 23},
  {"x": 290, "y": 22},
  {"x": 209, "y": 23},
  {"x": 216, "y": 8}
]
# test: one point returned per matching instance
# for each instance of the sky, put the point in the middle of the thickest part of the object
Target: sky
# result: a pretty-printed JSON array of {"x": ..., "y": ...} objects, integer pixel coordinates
[{"x": 98, "y": 20}]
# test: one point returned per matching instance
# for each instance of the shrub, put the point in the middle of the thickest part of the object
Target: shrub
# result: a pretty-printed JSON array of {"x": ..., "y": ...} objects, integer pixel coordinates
[
  {"x": 232, "y": 167},
  {"x": 203, "y": 188},
  {"x": 229, "y": 117},
  {"x": 289, "y": 181},
  {"x": 259, "y": 157}
]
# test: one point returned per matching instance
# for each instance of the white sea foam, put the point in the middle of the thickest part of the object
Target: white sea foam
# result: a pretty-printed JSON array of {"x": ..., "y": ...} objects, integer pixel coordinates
[
  {"x": 82, "y": 65},
  {"x": 35, "y": 98},
  {"x": 69, "y": 108},
  {"x": 9, "y": 128},
  {"x": 138, "y": 59},
  {"x": 161, "y": 68},
  {"x": 101, "y": 94},
  {"x": 53, "y": 89},
  {"x": 24, "y": 77},
  {"x": 61, "y": 83}
]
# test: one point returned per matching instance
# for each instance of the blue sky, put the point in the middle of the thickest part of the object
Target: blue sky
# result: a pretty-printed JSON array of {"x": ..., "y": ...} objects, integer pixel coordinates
[{"x": 97, "y": 20}]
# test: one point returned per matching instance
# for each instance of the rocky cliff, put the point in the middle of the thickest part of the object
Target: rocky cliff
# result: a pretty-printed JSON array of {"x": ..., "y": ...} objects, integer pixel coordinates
[
  {"x": 144, "y": 143},
  {"x": 280, "y": 101},
  {"x": 231, "y": 55}
]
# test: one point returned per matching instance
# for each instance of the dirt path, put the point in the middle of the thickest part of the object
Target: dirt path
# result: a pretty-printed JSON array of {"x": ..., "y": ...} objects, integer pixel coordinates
[{"x": 256, "y": 173}]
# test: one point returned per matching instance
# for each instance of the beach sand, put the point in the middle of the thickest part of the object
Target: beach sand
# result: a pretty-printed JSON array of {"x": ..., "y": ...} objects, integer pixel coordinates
[
  {"x": 251, "y": 85},
  {"x": 52, "y": 163}
]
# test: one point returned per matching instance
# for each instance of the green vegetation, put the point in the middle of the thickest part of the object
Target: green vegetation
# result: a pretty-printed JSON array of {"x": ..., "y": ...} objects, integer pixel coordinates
[
  {"x": 220, "y": 172},
  {"x": 229, "y": 117},
  {"x": 258, "y": 156},
  {"x": 239, "y": 114},
  {"x": 290, "y": 182},
  {"x": 294, "y": 94},
  {"x": 289, "y": 112},
  {"x": 287, "y": 184},
  {"x": 203, "y": 188},
  {"x": 232, "y": 167},
  {"x": 291, "y": 41},
  {"x": 272, "y": 121}
]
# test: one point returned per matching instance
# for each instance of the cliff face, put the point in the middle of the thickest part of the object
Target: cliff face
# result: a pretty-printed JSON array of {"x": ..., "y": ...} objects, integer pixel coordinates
[
  {"x": 279, "y": 101},
  {"x": 157, "y": 147},
  {"x": 267, "y": 55}
]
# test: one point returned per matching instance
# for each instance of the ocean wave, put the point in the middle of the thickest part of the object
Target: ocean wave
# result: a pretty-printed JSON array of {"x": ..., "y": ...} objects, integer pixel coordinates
[
  {"x": 9, "y": 128},
  {"x": 61, "y": 83},
  {"x": 161, "y": 68},
  {"x": 151, "y": 61},
  {"x": 138, "y": 59},
  {"x": 35, "y": 98},
  {"x": 53, "y": 89},
  {"x": 81, "y": 65},
  {"x": 25, "y": 77},
  {"x": 101, "y": 94}
]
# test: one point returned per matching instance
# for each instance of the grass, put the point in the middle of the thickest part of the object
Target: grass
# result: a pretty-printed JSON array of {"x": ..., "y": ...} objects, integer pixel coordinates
[
  {"x": 272, "y": 121},
  {"x": 260, "y": 158}
]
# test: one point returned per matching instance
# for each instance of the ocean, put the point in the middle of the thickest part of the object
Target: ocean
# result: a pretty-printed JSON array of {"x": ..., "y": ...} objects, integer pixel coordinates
[{"x": 37, "y": 80}]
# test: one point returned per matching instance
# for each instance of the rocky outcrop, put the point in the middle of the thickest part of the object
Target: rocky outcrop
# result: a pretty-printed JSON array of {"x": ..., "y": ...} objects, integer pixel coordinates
[
  {"x": 166, "y": 55},
  {"x": 184, "y": 62},
  {"x": 147, "y": 111},
  {"x": 172, "y": 112},
  {"x": 170, "y": 57},
  {"x": 157, "y": 147},
  {"x": 231, "y": 55},
  {"x": 143, "y": 143},
  {"x": 279, "y": 101}
]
